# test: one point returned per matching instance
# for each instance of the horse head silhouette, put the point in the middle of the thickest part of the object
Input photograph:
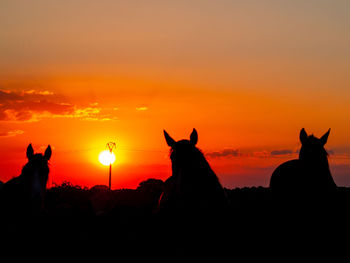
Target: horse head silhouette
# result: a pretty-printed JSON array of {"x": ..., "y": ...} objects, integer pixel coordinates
[
  {"x": 308, "y": 175},
  {"x": 193, "y": 184},
  {"x": 25, "y": 193},
  {"x": 35, "y": 173},
  {"x": 312, "y": 149}
]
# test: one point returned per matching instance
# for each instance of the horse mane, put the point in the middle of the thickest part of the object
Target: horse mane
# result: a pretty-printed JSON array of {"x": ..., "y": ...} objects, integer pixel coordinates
[
  {"x": 197, "y": 156},
  {"x": 193, "y": 186},
  {"x": 324, "y": 158},
  {"x": 312, "y": 137},
  {"x": 195, "y": 150}
]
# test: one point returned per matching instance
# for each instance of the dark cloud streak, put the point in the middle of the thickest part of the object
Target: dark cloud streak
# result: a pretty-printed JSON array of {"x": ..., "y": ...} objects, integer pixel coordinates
[
  {"x": 229, "y": 153},
  {"x": 224, "y": 153},
  {"x": 281, "y": 152}
]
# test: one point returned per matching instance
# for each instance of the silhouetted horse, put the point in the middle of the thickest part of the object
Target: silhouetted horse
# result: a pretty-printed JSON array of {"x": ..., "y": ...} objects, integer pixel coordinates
[
  {"x": 307, "y": 177},
  {"x": 24, "y": 195},
  {"x": 193, "y": 185}
]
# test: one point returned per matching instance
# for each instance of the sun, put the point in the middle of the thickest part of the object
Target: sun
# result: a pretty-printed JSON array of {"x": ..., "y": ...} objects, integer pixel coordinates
[{"x": 106, "y": 157}]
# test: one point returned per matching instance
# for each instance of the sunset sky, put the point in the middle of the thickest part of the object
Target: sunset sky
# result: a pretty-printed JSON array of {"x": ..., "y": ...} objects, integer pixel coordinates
[{"x": 247, "y": 74}]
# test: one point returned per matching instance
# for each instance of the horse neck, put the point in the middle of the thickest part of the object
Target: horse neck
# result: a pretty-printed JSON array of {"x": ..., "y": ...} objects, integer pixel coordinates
[
  {"x": 24, "y": 177},
  {"x": 321, "y": 167},
  {"x": 198, "y": 172}
]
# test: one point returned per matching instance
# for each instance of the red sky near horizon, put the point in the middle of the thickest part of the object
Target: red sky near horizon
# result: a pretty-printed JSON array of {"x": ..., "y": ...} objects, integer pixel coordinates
[{"x": 248, "y": 75}]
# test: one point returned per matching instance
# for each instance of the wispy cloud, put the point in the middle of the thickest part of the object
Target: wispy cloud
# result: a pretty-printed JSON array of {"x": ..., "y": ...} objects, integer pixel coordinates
[
  {"x": 11, "y": 133},
  {"x": 281, "y": 152},
  {"x": 141, "y": 108},
  {"x": 224, "y": 153},
  {"x": 29, "y": 105},
  {"x": 229, "y": 153},
  {"x": 260, "y": 154},
  {"x": 38, "y": 92},
  {"x": 33, "y": 105}
]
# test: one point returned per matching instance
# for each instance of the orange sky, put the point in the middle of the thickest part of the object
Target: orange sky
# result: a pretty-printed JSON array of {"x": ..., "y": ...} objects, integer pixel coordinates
[{"x": 248, "y": 76}]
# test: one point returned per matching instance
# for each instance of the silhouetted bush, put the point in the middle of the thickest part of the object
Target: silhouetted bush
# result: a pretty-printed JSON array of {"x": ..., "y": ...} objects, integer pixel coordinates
[
  {"x": 125, "y": 221},
  {"x": 151, "y": 185},
  {"x": 68, "y": 200}
]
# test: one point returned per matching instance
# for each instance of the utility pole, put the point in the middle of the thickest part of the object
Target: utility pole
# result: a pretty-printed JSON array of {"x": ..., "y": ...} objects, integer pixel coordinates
[{"x": 110, "y": 146}]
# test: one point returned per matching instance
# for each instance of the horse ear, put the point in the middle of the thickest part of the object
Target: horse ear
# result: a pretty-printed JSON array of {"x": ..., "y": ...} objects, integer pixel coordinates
[
  {"x": 324, "y": 138},
  {"x": 170, "y": 141},
  {"x": 48, "y": 152},
  {"x": 194, "y": 137},
  {"x": 30, "y": 151},
  {"x": 303, "y": 136}
]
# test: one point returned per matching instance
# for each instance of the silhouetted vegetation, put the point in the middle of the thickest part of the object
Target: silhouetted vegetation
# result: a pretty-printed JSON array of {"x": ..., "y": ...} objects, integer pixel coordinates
[
  {"x": 72, "y": 200},
  {"x": 130, "y": 224},
  {"x": 127, "y": 219}
]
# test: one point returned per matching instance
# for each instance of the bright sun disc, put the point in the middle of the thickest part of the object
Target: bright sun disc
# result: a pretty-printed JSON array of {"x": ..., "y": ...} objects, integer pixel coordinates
[{"x": 106, "y": 157}]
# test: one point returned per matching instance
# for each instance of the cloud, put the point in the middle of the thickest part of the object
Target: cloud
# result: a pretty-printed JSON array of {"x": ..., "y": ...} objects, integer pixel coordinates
[
  {"x": 273, "y": 153},
  {"x": 142, "y": 108},
  {"x": 33, "y": 105},
  {"x": 281, "y": 152},
  {"x": 43, "y": 93},
  {"x": 30, "y": 105},
  {"x": 88, "y": 112},
  {"x": 6, "y": 96},
  {"x": 261, "y": 154},
  {"x": 11, "y": 133},
  {"x": 224, "y": 153},
  {"x": 229, "y": 153}
]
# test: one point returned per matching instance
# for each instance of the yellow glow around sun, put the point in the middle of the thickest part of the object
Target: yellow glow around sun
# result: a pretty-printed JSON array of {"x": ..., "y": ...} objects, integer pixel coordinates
[{"x": 106, "y": 157}]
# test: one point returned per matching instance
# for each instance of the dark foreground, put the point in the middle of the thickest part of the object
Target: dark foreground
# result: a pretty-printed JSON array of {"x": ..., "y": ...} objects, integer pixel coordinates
[{"x": 124, "y": 225}]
